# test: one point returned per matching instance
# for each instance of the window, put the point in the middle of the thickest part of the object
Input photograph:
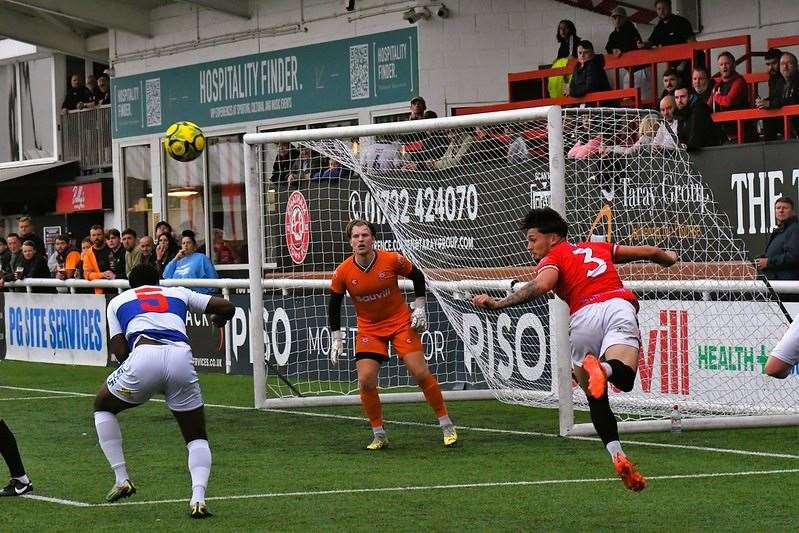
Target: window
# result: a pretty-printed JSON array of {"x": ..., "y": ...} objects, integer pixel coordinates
[
  {"x": 186, "y": 197},
  {"x": 396, "y": 117},
  {"x": 227, "y": 200},
  {"x": 138, "y": 182},
  {"x": 26, "y": 115}
]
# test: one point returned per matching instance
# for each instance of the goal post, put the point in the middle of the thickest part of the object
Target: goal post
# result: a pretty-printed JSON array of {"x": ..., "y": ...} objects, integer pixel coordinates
[{"x": 448, "y": 193}]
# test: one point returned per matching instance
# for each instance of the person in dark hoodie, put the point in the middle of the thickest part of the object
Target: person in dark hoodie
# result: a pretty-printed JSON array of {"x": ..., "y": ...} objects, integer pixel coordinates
[
  {"x": 589, "y": 73},
  {"x": 781, "y": 258}
]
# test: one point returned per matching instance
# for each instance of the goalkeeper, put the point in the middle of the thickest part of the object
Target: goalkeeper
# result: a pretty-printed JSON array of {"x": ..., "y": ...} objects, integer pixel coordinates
[{"x": 370, "y": 277}]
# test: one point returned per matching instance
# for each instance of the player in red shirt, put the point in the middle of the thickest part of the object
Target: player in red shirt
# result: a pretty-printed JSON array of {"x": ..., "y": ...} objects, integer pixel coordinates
[
  {"x": 603, "y": 328},
  {"x": 370, "y": 277}
]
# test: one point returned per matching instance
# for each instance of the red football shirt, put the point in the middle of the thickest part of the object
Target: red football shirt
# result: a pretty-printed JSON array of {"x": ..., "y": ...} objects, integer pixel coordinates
[
  {"x": 586, "y": 274},
  {"x": 380, "y": 307}
]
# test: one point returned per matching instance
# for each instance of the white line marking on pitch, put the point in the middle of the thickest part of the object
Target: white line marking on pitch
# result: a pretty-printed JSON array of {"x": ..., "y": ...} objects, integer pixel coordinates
[
  {"x": 40, "y": 398},
  {"x": 465, "y": 428},
  {"x": 432, "y": 487},
  {"x": 70, "y": 503}
]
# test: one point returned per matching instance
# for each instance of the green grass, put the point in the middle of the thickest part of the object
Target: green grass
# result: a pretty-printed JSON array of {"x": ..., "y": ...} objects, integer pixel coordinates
[{"x": 271, "y": 452}]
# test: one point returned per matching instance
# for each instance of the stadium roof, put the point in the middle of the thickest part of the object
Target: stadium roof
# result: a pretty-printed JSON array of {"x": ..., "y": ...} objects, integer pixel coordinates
[{"x": 80, "y": 27}]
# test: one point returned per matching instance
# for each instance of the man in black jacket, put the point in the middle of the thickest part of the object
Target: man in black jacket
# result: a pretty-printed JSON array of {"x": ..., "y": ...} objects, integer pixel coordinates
[
  {"x": 781, "y": 259},
  {"x": 783, "y": 91},
  {"x": 695, "y": 127},
  {"x": 589, "y": 73}
]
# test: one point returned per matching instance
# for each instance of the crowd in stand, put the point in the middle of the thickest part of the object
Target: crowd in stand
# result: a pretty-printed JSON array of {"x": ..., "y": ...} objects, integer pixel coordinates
[
  {"x": 726, "y": 90},
  {"x": 104, "y": 255},
  {"x": 96, "y": 92}
]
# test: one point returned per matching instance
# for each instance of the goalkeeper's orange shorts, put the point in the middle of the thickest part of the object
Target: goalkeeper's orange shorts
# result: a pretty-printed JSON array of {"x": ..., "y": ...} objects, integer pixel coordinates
[{"x": 404, "y": 341}]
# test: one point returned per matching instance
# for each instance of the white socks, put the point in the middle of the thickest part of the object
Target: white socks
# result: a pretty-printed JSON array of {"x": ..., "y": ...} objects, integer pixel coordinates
[
  {"x": 110, "y": 438},
  {"x": 379, "y": 431},
  {"x": 444, "y": 421},
  {"x": 608, "y": 369},
  {"x": 199, "y": 468},
  {"x": 23, "y": 479},
  {"x": 614, "y": 448}
]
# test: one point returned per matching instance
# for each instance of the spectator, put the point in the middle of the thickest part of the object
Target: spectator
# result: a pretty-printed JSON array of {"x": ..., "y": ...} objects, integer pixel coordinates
[
  {"x": 117, "y": 259},
  {"x": 730, "y": 92},
  {"x": 67, "y": 260},
  {"x": 97, "y": 259},
  {"x": 33, "y": 265},
  {"x": 188, "y": 264},
  {"x": 418, "y": 108},
  {"x": 517, "y": 149},
  {"x": 223, "y": 254},
  {"x": 701, "y": 83},
  {"x": 334, "y": 171},
  {"x": 771, "y": 126},
  {"x": 103, "y": 94},
  {"x": 286, "y": 166},
  {"x": 729, "y": 88},
  {"x": 131, "y": 251},
  {"x": 695, "y": 127},
  {"x": 76, "y": 96},
  {"x": 460, "y": 141},
  {"x": 164, "y": 250},
  {"x": 647, "y": 130},
  {"x": 164, "y": 227},
  {"x": 567, "y": 39},
  {"x": 625, "y": 36},
  {"x": 85, "y": 245},
  {"x": 671, "y": 29},
  {"x": 145, "y": 254},
  {"x": 622, "y": 39},
  {"x": 91, "y": 86},
  {"x": 5, "y": 257},
  {"x": 786, "y": 93},
  {"x": 781, "y": 258},
  {"x": 589, "y": 73},
  {"x": 670, "y": 81},
  {"x": 667, "y": 132},
  {"x": 27, "y": 233},
  {"x": 14, "y": 250}
]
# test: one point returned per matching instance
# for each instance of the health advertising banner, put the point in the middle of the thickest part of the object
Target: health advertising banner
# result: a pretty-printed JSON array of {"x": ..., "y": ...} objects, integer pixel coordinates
[
  {"x": 66, "y": 329},
  {"x": 381, "y": 68}
]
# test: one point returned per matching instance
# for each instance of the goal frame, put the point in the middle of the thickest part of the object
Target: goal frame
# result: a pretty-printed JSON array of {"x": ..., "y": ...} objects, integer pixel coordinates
[{"x": 558, "y": 310}]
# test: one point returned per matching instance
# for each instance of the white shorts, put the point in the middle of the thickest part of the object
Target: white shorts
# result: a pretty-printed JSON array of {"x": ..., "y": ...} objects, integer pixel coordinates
[
  {"x": 787, "y": 350},
  {"x": 596, "y": 327},
  {"x": 151, "y": 369}
]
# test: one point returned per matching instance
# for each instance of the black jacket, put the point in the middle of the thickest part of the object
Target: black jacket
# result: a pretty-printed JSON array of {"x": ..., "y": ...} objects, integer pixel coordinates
[
  {"x": 695, "y": 127},
  {"x": 589, "y": 78},
  {"x": 625, "y": 38},
  {"x": 785, "y": 92},
  {"x": 673, "y": 30},
  {"x": 36, "y": 268},
  {"x": 568, "y": 48},
  {"x": 782, "y": 252}
]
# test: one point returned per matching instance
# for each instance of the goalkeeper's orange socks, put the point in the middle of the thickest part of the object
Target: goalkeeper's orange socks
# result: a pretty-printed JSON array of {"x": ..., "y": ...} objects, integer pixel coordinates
[
  {"x": 432, "y": 393},
  {"x": 370, "y": 400}
]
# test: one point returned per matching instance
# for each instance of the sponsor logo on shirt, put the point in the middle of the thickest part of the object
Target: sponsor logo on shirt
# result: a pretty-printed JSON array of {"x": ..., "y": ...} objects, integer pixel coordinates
[{"x": 373, "y": 297}]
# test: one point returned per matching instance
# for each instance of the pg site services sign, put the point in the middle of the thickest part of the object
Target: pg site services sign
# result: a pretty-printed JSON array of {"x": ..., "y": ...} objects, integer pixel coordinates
[{"x": 46, "y": 328}]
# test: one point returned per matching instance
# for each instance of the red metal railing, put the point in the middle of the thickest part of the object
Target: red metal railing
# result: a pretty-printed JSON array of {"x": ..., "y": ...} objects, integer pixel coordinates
[
  {"x": 632, "y": 93},
  {"x": 741, "y": 116},
  {"x": 781, "y": 42},
  {"x": 638, "y": 58}
]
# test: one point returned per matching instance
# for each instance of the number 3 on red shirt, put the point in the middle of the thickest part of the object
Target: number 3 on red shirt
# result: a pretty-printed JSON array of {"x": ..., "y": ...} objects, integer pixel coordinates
[
  {"x": 601, "y": 265},
  {"x": 152, "y": 300}
]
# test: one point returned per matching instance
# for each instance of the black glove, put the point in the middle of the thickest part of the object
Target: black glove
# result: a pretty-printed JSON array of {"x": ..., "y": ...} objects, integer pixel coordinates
[{"x": 218, "y": 321}]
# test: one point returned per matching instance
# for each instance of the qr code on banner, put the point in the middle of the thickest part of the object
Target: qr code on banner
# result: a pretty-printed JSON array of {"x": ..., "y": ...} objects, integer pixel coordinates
[
  {"x": 359, "y": 72},
  {"x": 152, "y": 101}
]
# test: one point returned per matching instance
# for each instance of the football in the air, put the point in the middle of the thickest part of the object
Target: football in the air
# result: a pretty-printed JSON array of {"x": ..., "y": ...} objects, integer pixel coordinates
[{"x": 184, "y": 141}]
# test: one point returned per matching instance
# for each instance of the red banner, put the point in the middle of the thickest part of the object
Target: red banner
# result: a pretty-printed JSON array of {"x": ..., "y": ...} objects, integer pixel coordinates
[{"x": 83, "y": 197}]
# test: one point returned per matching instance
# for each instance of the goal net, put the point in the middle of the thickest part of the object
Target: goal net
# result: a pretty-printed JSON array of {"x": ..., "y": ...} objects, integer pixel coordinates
[{"x": 449, "y": 193}]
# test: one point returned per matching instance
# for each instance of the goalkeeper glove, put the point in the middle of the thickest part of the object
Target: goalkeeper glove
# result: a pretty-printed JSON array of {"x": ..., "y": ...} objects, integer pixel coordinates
[
  {"x": 336, "y": 347},
  {"x": 419, "y": 315}
]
